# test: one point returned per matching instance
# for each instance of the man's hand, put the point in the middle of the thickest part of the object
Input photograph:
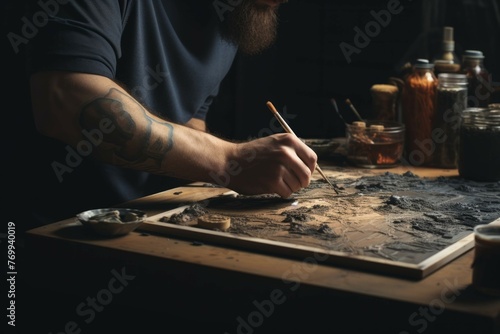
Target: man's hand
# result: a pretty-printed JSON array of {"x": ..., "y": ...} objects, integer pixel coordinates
[{"x": 280, "y": 164}]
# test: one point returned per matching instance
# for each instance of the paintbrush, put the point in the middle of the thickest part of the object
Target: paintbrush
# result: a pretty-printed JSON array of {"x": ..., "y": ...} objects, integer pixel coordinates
[
  {"x": 289, "y": 130},
  {"x": 354, "y": 109},
  {"x": 334, "y": 104},
  {"x": 362, "y": 138}
]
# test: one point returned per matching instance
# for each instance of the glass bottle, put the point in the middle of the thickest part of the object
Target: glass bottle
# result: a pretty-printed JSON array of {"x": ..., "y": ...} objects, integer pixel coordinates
[
  {"x": 451, "y": 100},
  {"x": 479, "y": 80},
  {"x": 418, "y": 112},
  {"x": 447, "y": 60},
  {"x": 479, "y": 144}
]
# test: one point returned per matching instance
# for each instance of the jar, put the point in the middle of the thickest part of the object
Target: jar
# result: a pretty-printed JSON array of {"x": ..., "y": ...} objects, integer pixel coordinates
[
  {"x": 375, "y": 143},
  {"x": 451, "y": 100},
  {"x": 479, "y": 81},
  {"x": 486, "y": 265},
  {"x": 418, "y": 110},
  {"x": 384, "y": 101},
  {"x": 479, "y": 144}
]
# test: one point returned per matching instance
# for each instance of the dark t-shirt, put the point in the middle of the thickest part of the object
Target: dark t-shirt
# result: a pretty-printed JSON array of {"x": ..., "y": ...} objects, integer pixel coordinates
[{"x": 169, "y": 54}]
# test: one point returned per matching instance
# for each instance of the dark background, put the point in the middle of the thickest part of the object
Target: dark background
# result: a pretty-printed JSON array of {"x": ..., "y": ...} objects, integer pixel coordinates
[
  {"x": 306, "y": 67},
  {"x": 302, "y": 71}
]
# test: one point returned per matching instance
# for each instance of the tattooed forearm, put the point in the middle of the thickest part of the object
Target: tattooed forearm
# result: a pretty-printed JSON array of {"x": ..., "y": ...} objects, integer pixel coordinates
[{"x": 127, "y": 131}]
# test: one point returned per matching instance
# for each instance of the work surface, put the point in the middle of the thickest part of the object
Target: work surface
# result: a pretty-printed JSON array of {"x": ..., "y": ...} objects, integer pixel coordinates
[
  {"x": 255, "y": 291},
  {"x": 396, "y": 224}
]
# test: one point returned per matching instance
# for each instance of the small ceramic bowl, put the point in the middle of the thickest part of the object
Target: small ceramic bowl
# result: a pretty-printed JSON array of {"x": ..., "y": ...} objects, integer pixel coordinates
[{"x": 112, "y": 221}]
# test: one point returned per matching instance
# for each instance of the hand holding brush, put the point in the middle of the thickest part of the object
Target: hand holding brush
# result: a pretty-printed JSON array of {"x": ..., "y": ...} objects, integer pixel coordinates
[{"x": 289, "y": 130}]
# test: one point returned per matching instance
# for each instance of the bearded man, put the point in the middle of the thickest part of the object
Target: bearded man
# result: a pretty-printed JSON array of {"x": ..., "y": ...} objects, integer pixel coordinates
[{"x": 120, "y": 90}]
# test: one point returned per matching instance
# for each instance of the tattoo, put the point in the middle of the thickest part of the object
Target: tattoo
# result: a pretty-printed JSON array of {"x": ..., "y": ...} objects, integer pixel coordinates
[{"x": 126, "y": 130}]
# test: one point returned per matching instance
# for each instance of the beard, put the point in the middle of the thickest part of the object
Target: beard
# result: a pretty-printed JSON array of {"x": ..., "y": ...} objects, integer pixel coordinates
[{"x": 253, "y": 27}]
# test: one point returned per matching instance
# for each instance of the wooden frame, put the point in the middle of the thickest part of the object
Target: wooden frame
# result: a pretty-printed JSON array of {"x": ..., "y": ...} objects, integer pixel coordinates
[{"x": 312, "y": 254}]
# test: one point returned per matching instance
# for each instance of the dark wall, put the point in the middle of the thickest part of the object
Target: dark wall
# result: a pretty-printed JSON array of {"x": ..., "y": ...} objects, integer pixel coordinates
[{"x": 306, "y": 66}]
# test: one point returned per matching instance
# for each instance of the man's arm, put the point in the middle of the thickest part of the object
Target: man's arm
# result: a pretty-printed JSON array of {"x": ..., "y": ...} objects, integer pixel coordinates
[
  {"x": 73, "y": 107},
  {"x": 198, "y": 124}
]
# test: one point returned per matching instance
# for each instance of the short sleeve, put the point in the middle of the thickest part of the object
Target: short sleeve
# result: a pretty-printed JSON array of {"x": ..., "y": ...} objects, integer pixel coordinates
[{"x": 81, "y": 36}]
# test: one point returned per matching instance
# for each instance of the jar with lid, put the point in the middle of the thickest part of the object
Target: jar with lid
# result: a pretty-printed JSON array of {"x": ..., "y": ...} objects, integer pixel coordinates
[
  {"x": 451, "y": 100},
  {"x": 479, "y": 144},
  {"x": 385, "y": 101},
  {"x": 418, "y": 112},
  {"x": 485, "y": 267},
  {"x": 478, "y": 77}
]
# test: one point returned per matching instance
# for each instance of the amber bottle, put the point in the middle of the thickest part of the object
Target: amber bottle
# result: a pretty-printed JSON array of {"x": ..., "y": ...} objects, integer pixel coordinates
[{"x": 418, "y": 112}]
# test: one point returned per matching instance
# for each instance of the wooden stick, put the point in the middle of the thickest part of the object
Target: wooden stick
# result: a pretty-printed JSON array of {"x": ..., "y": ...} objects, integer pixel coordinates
[
  {"x": 289, "y": 130},
  {"x": 353, "y": 109}
]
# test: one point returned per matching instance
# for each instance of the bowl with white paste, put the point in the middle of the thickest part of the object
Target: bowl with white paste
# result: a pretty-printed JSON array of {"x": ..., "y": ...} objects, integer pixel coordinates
[{"x": 112, "y": 221}]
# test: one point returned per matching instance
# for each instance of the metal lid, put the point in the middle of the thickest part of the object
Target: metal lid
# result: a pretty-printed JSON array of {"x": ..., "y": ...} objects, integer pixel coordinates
[
  {"x": 423, "y": 63},
  {"x": 484, "y": 117},
  {"x": 452, "y": 79},
  {"x": 473, "y": 54}
]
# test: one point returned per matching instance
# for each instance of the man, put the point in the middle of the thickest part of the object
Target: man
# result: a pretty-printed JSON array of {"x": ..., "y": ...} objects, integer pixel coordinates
[{"x": 120, "y": 90}]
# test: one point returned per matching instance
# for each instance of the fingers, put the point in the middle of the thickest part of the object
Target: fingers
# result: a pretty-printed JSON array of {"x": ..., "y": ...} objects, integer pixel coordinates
[
  {"x": 299, "y": 165},
  {"x": 280, "y": 164},
  {"x": 304, "y": 164},
  {"x": 307, "y": 155},
  {"x": 291, "y": 184}
]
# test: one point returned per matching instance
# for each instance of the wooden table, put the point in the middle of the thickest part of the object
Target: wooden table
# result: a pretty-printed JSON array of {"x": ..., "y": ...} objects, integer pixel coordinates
[{"x": 210, "y": 288}]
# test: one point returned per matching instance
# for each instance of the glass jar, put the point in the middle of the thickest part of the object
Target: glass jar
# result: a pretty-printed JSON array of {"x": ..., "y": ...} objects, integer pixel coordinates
[
  {"x": 451, "y": 100},
  {"x": 479, "y": 144},
  {"x": 486, "y": 265},
  {"x": 479, "y": 81},
  {"x": 375, "y": 144},
  {"x": 384, "y": 101},
  {"x": 418, "y": 110}
]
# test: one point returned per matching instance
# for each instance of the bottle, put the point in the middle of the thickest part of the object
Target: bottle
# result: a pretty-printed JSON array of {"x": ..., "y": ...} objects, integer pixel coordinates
[
  {"x": 418, "y": 112},
  {"x": 447, "y": 60},
  {"x": 451, "y": 100},
  {"x": 478, "y": 77}
]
